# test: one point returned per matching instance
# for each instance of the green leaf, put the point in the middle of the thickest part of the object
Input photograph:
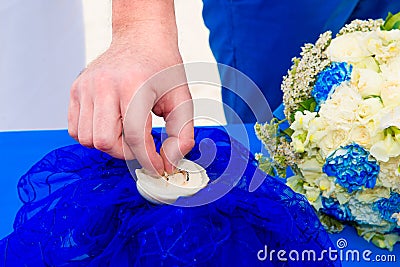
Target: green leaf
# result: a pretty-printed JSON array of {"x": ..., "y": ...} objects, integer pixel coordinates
[
  {"x": 397, "y": 25},
  {"x": 313, "y": 105},
  {"x": 292, "y": 116},
  {"x": 392, "y": 22},
  {"x": 306, "y": 104},
  {"x": 309, "y": 104},
  {"x": 288, "y": 132},
  {"x": 392, "y": 131}
]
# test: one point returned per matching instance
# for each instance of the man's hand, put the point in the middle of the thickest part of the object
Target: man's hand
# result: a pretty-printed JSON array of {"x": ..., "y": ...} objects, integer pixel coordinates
[{"x": 112, "y": 99}]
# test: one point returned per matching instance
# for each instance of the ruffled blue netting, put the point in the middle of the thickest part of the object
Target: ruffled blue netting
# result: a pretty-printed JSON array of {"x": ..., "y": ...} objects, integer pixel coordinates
[{"x": 82, "y": 208}]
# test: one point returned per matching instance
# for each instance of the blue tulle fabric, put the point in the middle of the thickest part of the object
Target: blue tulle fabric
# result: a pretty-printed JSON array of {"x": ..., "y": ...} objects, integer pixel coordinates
[{"x": 82, "y": 208}]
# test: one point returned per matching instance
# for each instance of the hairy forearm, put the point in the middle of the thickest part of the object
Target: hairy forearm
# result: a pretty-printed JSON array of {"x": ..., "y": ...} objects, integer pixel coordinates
[{"x": 133, "y": 18}]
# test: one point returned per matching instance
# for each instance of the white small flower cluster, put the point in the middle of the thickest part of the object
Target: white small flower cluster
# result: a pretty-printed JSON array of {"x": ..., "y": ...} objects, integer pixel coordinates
[
  {"x": 361, "y": 26},
  {"x": 279, "y": 148},
  {"x": 299, "y": 81},
  {"x": 285, "y": 149}
]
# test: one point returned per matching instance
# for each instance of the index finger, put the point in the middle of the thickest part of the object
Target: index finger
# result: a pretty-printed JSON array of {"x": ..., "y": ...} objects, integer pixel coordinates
[
  {"x": 179, "y": 127},
  {"x": 137, "y": 132}
]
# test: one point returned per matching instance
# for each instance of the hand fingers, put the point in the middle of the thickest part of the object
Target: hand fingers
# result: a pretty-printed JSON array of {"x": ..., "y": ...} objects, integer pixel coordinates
[
  {"x": 179, "y": 127},
  {"x": 73, "y": 114},
  {"x": 107, "y": 126},
  {"x": 96, "y": 123},
  {"x": 80, "y": 116},
  {"x": 85, "y": 123},
  {"x": 137, "y": 132}
]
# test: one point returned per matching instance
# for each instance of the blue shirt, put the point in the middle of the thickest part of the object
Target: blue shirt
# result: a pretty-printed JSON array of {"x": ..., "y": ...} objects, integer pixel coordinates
[{"x": 260, "y": 37}]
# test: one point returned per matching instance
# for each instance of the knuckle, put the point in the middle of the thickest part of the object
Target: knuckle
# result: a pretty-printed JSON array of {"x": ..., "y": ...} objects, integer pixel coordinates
[
  {"x": 74, "y": 93},
  {"x": 103, "y": 143},
  {"x": 85, "y": 141},
  {"x": 186, "y": 144}
]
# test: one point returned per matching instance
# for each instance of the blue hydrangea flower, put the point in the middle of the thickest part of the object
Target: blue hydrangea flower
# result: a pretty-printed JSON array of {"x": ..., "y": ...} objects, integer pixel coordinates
[
  {"x": 388, "y": 206},
  {"x": 328, "y": 79},
  {"x": 333, "y": 208},
  {"x": 353, "y": 167}
]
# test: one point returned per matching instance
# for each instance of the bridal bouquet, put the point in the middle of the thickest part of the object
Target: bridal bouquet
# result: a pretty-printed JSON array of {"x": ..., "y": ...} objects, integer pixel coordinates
[{"x": 342, "y": 135}]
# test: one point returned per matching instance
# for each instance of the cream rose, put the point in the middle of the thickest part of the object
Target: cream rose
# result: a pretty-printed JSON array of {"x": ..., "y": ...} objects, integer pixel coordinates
[
  {"x": 389, "y": 36},
  {"x": 369, "y": 107},
  {"x": 367, "y": 82},
  {"x": 342, "y": 107},
  {"x": 348, "y": 48},
  {"x": 391, "y": 70},
  {"x": 390, "y": 94},
  {"x": 384, "y": 44},
  {"x": 361, "y": 135},
  {"x": 332, "y": 140},
  {"x": 367, "y": 63}
]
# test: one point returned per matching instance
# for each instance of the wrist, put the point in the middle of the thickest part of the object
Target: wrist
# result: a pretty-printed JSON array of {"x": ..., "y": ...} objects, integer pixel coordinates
[{"x": 143, "y": 19}]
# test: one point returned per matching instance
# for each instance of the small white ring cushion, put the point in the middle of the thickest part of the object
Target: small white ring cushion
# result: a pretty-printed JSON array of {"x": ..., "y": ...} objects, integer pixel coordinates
[{"x": 186, "y": 181}]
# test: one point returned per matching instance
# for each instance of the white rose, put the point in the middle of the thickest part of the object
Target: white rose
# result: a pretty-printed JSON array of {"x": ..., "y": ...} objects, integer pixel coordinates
[
  {"x": 333, "y": 140},
  {"x": 391, "y": 90},
  {"x": 361, "y": 135},
  {"x": 368, "y": 82},
  {"x": 390, "y": 94},
  {"x": 342, "y": 107},
  {"x": 383, "y": 146},
  {"x": 389, "y": 36},
  {"x": 369, "y": 107},
  {"x": 374, "y": 43},
  {"x": 383, "y": 44},
  {"x": 391, "y": 70},
  {"x": 348, "y": 48},
  {"x": 367, "y": 63}
]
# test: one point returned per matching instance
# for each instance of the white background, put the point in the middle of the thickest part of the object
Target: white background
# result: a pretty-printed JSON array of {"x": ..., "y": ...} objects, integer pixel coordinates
[{"x": 44, "y": 44}]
